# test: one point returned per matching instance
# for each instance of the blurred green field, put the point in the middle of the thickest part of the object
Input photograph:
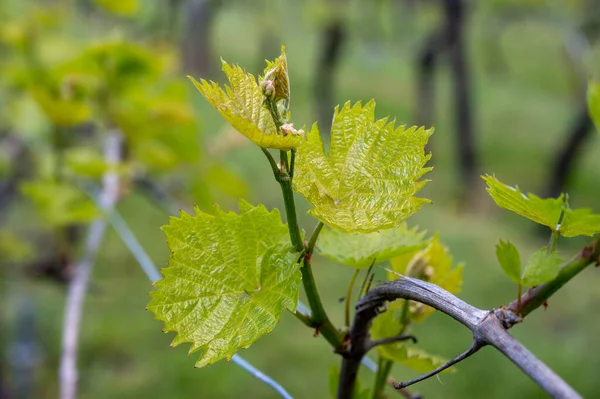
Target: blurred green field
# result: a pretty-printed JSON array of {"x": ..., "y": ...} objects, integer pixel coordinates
[{"x": 521, "y": 116}]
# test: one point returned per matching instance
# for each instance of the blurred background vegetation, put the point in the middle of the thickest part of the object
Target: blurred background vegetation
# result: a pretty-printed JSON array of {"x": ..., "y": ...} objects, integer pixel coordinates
[{"x": 503, "y": 82}]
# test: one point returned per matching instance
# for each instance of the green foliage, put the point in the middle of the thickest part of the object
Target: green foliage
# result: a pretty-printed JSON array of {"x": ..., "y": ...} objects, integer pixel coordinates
[
  {"x": 242, "y": 105},
  {"x": 541, "y": 267},
  {"x": 85, "y": 161},
  {"x": 510, "y": 260},
  {"x": 593, "y": 97},
  {"x": 116, "y": 66},
  {"x": 368, "y": 179},
  {"x": 229, "y": 278},
  {"x": 61, "y": 110},
  {"x": 13, "y": 248},
  {"x": 544, "y": 211},
  {"x": 160, "y": 127},
  {"x": 362, "y": 250},
  {"x": 59, "y": 204},
  {"x": 119, "y": 7}
]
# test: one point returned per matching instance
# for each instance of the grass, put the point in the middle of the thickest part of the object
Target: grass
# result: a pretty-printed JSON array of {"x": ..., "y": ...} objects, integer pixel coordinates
[{"x": 521, "y": 116}]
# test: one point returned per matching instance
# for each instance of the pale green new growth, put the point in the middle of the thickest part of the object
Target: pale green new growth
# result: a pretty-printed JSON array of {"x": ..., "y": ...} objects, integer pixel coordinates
[
  {"x": 369, "y": 177},
  {"x": 544, "y": 211},
  {"x": 510, "y": 260},
  {"x": 362, "y": 250},
  {"x": 242, "y": 105},
  {"x": 541, "y": 267},
  {"x": 229, "y": 278}
]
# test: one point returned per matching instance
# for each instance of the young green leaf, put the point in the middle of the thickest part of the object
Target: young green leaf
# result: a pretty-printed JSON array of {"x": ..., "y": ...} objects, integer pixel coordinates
[
  {"x": 242, "y": 105},
  {"x": 541, "y": 268},
  {"x": 580, "y": 222},
  {"x": 510, "y": 260},
  {"x": 544, "y": 211},
  {"x": 368, "y": 180},
  {"x": 593, "y": 96},
  {"x": 361, "y": 250},
  {"x": 229, "y": 279}
]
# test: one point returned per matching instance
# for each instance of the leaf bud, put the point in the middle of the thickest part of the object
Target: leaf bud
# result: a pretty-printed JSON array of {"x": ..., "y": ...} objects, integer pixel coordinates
[
  {"x": 288, "y": 128},
  {"x": 417, "y": 267},
  {"x": 276, "y": 73},
  {"x": 268, "y": 88}
]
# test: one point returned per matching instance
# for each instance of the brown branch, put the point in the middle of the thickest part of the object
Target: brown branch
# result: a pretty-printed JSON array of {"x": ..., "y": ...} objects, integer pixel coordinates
[
  {"x": 488, "y": 327},
  {"x": 390, "y": 340},
  {"x": 475, "y": 346},
  {"x": 79, "y": 284}
]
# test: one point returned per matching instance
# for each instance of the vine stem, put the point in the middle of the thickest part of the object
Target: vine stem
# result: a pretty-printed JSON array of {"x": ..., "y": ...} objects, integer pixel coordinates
[
  {"x": 310, "y": 248},
  {"x": 79, "y": 283},
  {"x": 318, "y": 318}
]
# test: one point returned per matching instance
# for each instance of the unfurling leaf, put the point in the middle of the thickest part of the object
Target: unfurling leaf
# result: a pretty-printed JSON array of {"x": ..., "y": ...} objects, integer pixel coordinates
[
  {"x": 361, "y": 250},
  {"x": 59, "y": 204},
  {"x": 510, "y": 260},
  {"x": 242, "y": 105},
  {"x": 544, "y": 211},
  {"x": 541, "y": 268},
  {"x": 369, "y": 177},
  {"x": 593, "y": 96},
  {"x": 432, "y": 264},
  {"x": 276, "y": 74},
  {"x": 229, "y": 279}
]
